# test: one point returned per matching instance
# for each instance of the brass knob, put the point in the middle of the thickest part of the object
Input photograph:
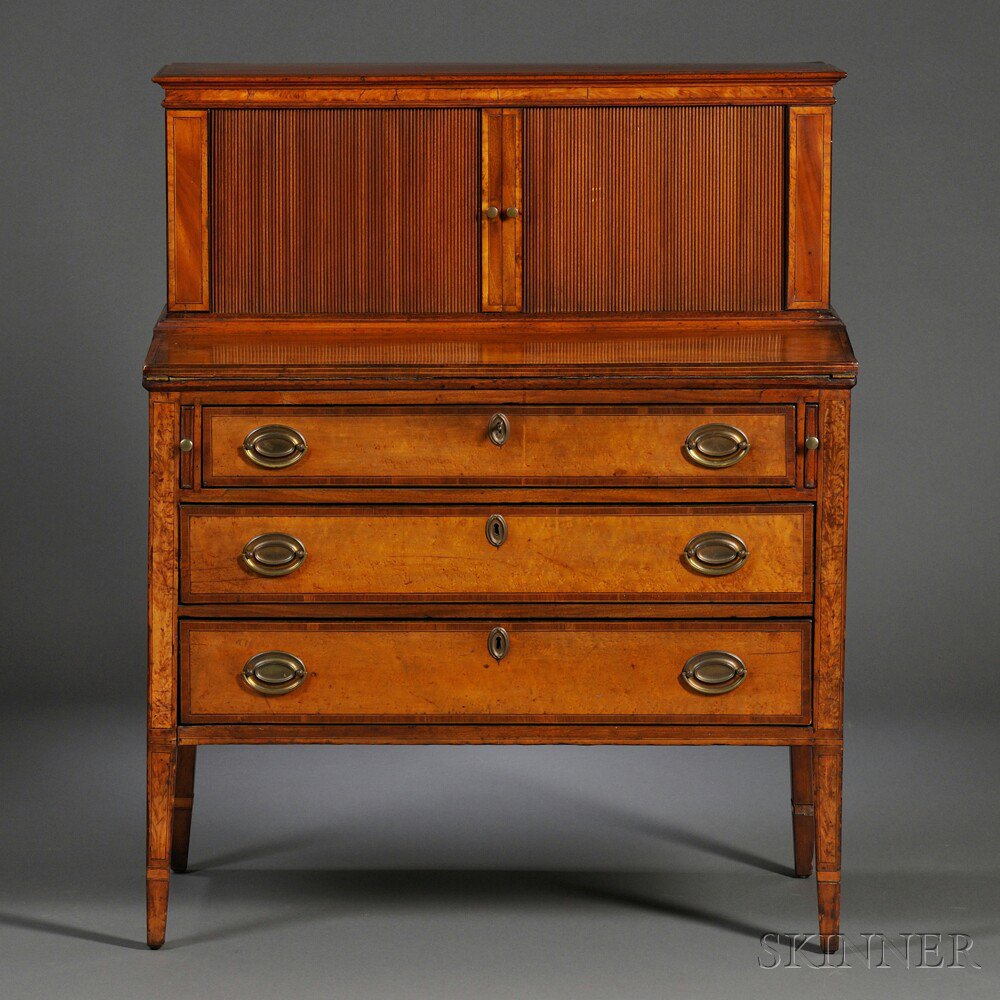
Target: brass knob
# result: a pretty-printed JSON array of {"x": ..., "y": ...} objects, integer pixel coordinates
[
  {"x": 491, "y": 212},
  {"x": 273, "y": 673},
  {"x": 812, "y": 443},
  {"x": 274, "y": 446},
  {"x": 273, "y": 555},
  {"x": 511, "y": 212},
  {"x": 496, "y": 530},
  {"x": 498, "y": 429},
  {"x": 185, "y": 444},
  {"x": 714, "y": 673},
  {"x": 716, "y": 446},
  {"x": 498, "y": 643},
  {"x": 716, "y": 553}
]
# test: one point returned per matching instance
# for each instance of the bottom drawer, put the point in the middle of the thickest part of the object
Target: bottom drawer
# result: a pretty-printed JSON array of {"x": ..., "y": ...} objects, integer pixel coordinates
[{"x": 469, "y": 672}]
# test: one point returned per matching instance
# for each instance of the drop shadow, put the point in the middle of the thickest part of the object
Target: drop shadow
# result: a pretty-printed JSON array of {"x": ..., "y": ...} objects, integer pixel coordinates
[
  {"x": 324, "y": 895},
  {"x": 67, "y": 930}
]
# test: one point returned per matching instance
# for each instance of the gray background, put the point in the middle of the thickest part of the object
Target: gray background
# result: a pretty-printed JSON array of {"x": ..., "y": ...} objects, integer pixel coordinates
[{"x": 501, "y": 872}]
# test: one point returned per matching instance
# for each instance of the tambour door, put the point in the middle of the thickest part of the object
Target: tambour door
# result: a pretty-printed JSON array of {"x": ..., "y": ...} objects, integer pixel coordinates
[
  {"x": 344, "y": 211},
  {"x": 653, "y": 209}
]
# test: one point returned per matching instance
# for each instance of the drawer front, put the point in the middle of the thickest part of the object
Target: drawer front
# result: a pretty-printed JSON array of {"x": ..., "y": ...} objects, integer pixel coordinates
[
  {"x": 400, "y": 554},
  {"x": 448, "y": 672},
  {"x": 502, "y": 445}
]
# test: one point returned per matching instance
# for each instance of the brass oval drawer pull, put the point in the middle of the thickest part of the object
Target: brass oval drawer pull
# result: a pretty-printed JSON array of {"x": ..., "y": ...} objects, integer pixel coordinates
[
  {"x": 496, "y": 530},
  {"x": 716, "y": 446},
  {"x": 273, "y": 673},
  {"x": 499, "y": 429},
  {"x": 716, "y": 553},
  {"x": 273, "y": 555},
  {"x": 498, "y": 643},
  {"x": 714, "y": 673},
  {"x": 274, "y": 446}
]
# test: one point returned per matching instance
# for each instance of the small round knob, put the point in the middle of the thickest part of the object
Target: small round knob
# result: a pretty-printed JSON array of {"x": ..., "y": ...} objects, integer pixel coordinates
[
  {"x": 812, "y": 443},
  {"x": 492, "y": 212},
  {"x": 186, "y": 444},
  {"x": 511, "y": 212}
]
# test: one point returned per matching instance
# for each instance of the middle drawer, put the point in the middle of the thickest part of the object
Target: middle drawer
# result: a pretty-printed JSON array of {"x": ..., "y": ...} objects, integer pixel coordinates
[{"x": 513, "y": 553}]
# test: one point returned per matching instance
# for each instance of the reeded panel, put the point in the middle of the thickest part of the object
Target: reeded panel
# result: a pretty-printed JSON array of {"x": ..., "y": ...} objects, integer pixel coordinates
[
  {"x": 360, "y": 211},
  {"x": 665, "y": 209}
]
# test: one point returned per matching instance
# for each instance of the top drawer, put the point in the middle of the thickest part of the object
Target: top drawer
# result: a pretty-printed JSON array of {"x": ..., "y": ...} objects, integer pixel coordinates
[{"x": 501, "y": 445}]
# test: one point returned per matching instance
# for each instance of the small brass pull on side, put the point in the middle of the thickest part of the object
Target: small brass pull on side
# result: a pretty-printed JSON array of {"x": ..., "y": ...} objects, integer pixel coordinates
[
  {"x": 498, "y": 643},
  {"x": 511, "y": 212},
  {"x": 185, "y": 444},
  {"x": 716, "y": 446},
  {"x": 714, "y": 672},
  {"x": 273, "y": 673},
  {"x": 273, "y": 554},
  {"x": 491, "y": 212},
  {"x": 274, "y": 446},
  {"x": 499, "y": 429},
  {"x": 812, "y": 443},
  {"x": 716, "y": 553},
  {"x": 496, "y": 530}
]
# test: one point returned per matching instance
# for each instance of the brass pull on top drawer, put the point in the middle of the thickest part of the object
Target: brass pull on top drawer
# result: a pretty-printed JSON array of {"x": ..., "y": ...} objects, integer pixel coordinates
[
  {"x": 273, "y": 673},
  {"x": 716, "y": 553},
  {"x": 716, "y": 446},
  {"x": 273, "y": 554},
  {"x": 714, "y": 672},
  {"x": 274, "y": 446}
]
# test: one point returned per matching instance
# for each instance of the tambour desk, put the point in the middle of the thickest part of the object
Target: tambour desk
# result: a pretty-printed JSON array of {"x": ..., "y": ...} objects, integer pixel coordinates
[{"x": 498, "y": 405}]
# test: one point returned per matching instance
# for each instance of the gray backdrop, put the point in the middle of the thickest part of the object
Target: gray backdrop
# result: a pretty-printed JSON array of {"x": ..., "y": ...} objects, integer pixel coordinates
[{"x": 915, "y": 278}]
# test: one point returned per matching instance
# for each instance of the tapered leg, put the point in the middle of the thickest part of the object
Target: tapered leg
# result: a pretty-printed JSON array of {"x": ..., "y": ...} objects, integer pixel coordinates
[
  {"x": 183, "y": 801},
  {"x": 803, "y": 826},
  {"x": 827, "y": 783},
  {"x": 161, "y": 766}
]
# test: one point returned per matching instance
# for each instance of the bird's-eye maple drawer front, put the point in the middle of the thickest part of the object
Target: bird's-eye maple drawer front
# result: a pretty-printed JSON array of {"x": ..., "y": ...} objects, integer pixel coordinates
[
  {"x": 501, "y": 445},
  {"x": 467, "y": 553},
  {"x": 493, "y": 672}
]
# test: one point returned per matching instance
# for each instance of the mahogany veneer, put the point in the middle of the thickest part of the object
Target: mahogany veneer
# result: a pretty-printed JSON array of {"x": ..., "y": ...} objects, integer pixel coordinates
[{"x": 498, "y": 405}]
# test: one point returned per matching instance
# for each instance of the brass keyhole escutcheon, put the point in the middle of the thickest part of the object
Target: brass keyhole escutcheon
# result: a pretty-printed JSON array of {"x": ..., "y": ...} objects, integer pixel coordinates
[
  {"x": 499, "y": 429},
  {"x": 498, "y": 643},
  {"x": 496, "y": 530}
]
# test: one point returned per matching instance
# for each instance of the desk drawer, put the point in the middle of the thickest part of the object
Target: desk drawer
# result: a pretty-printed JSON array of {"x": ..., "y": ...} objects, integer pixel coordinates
[
  {"x": 449, "y": 672},
  {"x": 473, "y": 553},
  {"x": 501, "y": 445}
]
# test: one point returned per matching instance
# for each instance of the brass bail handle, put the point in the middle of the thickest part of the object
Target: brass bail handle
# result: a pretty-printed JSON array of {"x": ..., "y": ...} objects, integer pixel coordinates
[
  {"x": 716, "y": 446},
  {"x": 274, "y": 446},
  {"x": 273, "y": 673},
  {"x": 714, "y": 672},
  {"x": 716, "y": 553},
  {"x": 273, "y": 554}
]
